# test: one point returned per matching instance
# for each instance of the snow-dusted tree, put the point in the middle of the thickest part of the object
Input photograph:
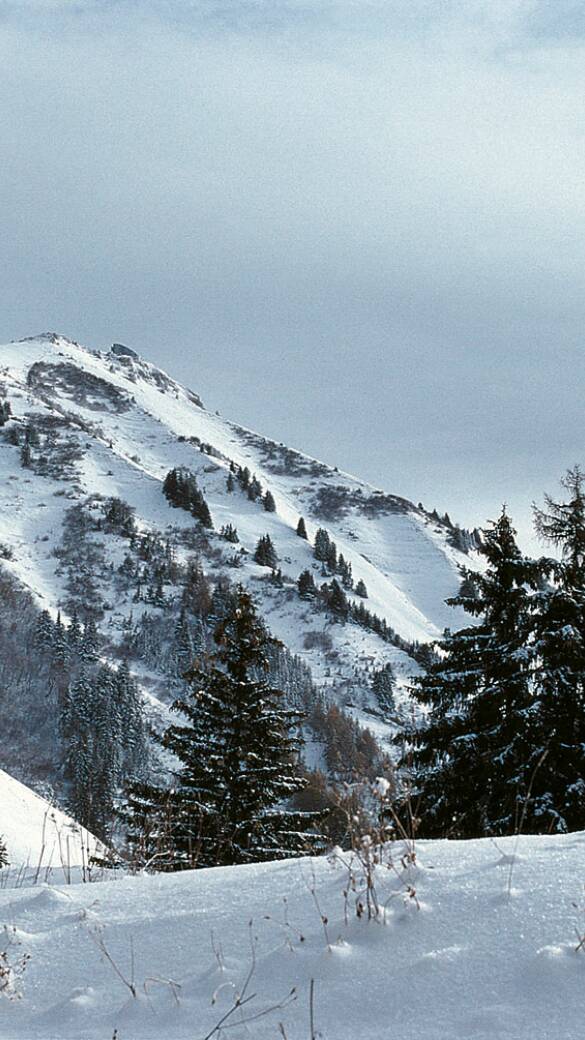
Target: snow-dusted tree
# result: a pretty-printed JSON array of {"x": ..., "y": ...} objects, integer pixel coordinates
[
  {"x": 90, "y": 642},
  {"x": 238, "y": 755},
  {"x": 345, "y": 572},
  {"x": 306, "y": 585},
  {"x": 5, "y": 412},
  {"x": 104, "y": 733},
  {"x": 383, "y": 686},
  {"x": 557, "y": 721},
  {"x": 229, "y": 533},
  {"x": 268, "y": 502},
  {"x": 322, "y": 545},
  {"x": 265, "y": 553},
  {"x": 471, "y": 759},
  {"x": 3, "y": 853},
  {"x": 181, "y": 490},
  {"x": 302, "y": 529},
  {"x": 361, "y": 590},
  {"x": 335, "y": 600},
  {"x": 254, "y": 489}
]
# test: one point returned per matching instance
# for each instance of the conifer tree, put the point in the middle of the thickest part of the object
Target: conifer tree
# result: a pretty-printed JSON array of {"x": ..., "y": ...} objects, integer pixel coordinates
[
  {"x": 322, "y": 544},
  {"x": 302, "y": 529},
  {"x": 25, "y": 455},
  {"x": 268, "y": 502},
  {"x": 361, "y": 590},
  {"x": 471, "y": 759},
  {"x": 337, "y": 601},
  {"x": 265, "y": 553},
  {"x": 383, "y": 686},
  {"x": 254, "y": 489},
  {"x": 3, "y": 853},
  {"x": 306, "y": 585},
  {"x": 229, "y": 533},
  {"x": 238, "y": 756},
  {"x": 557, "y": 722},
  {"x": 230, "y": 484}
]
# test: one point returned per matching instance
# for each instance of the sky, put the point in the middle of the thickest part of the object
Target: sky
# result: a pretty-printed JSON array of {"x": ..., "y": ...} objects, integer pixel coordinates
[{"x": 357, "y": 226}]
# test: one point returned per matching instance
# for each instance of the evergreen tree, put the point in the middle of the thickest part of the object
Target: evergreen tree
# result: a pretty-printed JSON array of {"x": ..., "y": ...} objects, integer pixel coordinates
[
  {"x": 265, "y": 553},
  {"x": 322, "y": 544},
  {"x": 5, "y": 412},
  {"x": 229, "y": 533},
  {"x": 302, "y": 529},
  {"x": 243, "y": 475},
  {"x": 306, "y": 585},
  {"x": 361, "y": 590},
  {"x": 90, "y": 642},
  {"x": 337, "y": 601},
  {"x": 230, "y": 484},
  {"x": 383, "y": 686},
  {"x": 44, "y": 633},
  {"x": 557, "y": 722},
  {"x": 238, "y": 757},
  {"x": 268, "y": 502},
  {"x": 181, "y": 490},
  {"x": 331, "y": 558},
  {"x": 345, "y": 572},
  {"x": 254, "y": 489},
  {"x": 3, "y": 853},
  {"x": 25, "y": 455},
  {"x": 471, "y": 758}
]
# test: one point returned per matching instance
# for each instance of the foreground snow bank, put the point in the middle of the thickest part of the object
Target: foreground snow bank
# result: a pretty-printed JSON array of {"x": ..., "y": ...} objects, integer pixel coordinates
[
  {"x": 38, "y": 835},
  {"x": 489, "y": 953}
]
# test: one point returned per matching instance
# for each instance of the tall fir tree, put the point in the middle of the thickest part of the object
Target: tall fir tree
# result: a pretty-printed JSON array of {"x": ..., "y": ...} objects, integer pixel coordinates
[
  {"x": 471, "y": 759},
  {"x": 302, "y": 529},
  {"x": 558, "y": 716},
  {"x": 238, "y": 756}
]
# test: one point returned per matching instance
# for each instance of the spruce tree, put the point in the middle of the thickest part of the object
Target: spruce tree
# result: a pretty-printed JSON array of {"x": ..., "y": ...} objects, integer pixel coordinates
[
  {"x": 383, "y": 686},
  {"x": 361, "y": 590},
  {"x": 265, "y": 553},
  {"x": 237, "y": 753},
  {"x": 337, "y": 601},
  {"x": 322, "y": 545},
  {"x": 557, "y": 721},
  {"x": 471, "y": 758},
  {"x": 3, "y": 853},
  {"x": 254, "y": 489},
  {"x": 229, "y": 533},
  {"x": 268, "y": 502},
  {"x": 306, "y": 585},
  {"x": 302, "y": 529}
]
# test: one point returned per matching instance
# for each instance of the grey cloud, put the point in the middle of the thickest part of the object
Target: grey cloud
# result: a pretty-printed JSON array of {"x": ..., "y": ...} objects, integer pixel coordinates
[{"x": 356, "y": 226}]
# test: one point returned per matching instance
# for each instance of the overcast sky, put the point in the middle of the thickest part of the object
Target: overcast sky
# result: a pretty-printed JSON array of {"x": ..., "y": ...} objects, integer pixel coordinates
[{"x": 356, "y": 226}]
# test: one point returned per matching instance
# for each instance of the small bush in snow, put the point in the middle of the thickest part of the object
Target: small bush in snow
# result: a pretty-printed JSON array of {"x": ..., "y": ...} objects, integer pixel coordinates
[{"x": 12, "y": 964}]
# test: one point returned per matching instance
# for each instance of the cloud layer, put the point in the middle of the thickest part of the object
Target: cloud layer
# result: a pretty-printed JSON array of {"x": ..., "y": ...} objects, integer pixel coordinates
[{"x": 358, "y": 226}]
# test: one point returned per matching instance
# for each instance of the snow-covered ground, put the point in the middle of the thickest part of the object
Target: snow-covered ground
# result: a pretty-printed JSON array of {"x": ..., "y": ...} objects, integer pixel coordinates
[
  {"x": 488, "y": 953},
  {"x": 38, "y": 836}
]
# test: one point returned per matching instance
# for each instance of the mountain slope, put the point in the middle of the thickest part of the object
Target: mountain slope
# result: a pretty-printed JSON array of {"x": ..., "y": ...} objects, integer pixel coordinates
[
  {"x": 39, "y": 835},
  {"x": 111, "y": 425}
]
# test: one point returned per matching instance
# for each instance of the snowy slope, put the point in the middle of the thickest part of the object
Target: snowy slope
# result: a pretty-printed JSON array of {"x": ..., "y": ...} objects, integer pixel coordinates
[
  {"x": 39, "y": 835},
  {"x": 132, "y": 416},
  {"x": 490, "y": 955}
]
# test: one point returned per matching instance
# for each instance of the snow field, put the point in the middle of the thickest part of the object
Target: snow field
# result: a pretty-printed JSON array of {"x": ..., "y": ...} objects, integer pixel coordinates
[{"x": 489, "y": 954}]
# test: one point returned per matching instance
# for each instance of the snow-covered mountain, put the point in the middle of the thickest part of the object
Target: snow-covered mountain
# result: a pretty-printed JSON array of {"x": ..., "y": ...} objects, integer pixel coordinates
[{"x": 110, "y": 425}]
